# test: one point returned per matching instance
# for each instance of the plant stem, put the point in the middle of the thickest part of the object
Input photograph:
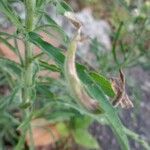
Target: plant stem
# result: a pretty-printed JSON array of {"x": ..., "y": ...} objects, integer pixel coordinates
[
  {"x": 29, "y": 24},
  {"x": 28, "y": 67}
]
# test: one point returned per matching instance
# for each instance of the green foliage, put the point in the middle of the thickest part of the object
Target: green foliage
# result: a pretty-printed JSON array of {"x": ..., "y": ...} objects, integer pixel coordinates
[
  {"x": 104, "y": 84},
  {"x": 32, "y": 95},
  {"x": 83, "y": 138},
  {"x": 92, "y": 88},
  {"x": 62, "y": 7},
  {"x": 81, "y": 134},
  {"x": 10, "y": 67}
]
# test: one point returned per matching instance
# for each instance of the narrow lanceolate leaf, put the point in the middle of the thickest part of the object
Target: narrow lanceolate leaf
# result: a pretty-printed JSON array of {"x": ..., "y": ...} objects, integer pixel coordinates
[
  {"x": 7, "y": 101},
  {"x": 7, "y": 35},
  {"x": 104, "y": 83},
  {"x": 47, "y": 48},
  {"x": 62, "y": 7},
  {"x": 56, "y": 27},
  {"x": 50, "y": 20},
  {"x": 94, "y": 90},
  {"x": 66, "y": 6},
  {"x": 9, "y": 13},
  {"x": 115, "y": 43},
  {"x": 10, "y": 67},
  {"x": 4, "y": 41},
  {"x": 49, "y": 67},
  {"x": 54, "y": 32}
]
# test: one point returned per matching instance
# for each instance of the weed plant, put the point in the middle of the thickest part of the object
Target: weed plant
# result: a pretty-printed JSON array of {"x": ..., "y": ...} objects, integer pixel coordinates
[{"x": 32, "y": 95}]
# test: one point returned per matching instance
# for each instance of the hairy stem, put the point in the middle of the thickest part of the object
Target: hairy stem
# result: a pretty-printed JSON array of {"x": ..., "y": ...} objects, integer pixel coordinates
[
  {"x": 28, "y": 67},
  {"x": 29, "y": 24}
]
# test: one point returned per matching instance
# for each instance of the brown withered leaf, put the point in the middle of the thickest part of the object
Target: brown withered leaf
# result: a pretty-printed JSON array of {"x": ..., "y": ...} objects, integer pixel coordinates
[{"x": 121, "y": 98}]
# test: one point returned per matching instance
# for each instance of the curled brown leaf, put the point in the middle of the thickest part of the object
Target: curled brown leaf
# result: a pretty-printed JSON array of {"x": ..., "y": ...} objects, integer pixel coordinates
[{"x": 121, "y": 98}]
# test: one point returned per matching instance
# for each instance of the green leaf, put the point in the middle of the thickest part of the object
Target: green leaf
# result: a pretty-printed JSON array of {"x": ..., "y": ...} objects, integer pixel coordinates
[
  {"x": 7, "y": 101},
  {"x": 55, "y": 26},
  {"x": 94, "y": 90},
  {"x": 39, "y": 3},
  {"x": 50, "y": 67},
  {"x": 82, "y": 122},
  {"x": 44, "y": 90},
  {"x": 7, "y": 35},
  {"x": 25, "y": 105},
  {"x": 55, "y": 33},
  {"x": 4, "y": 41},
  {"x": 61, "y": 104},
  {"x": 10, "y": 67},
  {"x": 115, "y": 43},
  {"x": 137, "y": 138},
  {"x": 62, "y": 128},
  {"x": 103, "y": 83},
  {"x": 59, "y": 115},
  {"x": 62, "y": 7},
  {"x": 66, "y": 6},
  {"x": 82, "y": 137},
  {"x": 24, "y": 126},
  {"x": 47, "y": 47},
  {"x": 50, "y": 20},
  {"x": 10, "y": 14}
]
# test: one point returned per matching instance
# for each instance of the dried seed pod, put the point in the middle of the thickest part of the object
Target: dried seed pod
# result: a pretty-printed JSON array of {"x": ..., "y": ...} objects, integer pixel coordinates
[{"x": 75, "y": 85}]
